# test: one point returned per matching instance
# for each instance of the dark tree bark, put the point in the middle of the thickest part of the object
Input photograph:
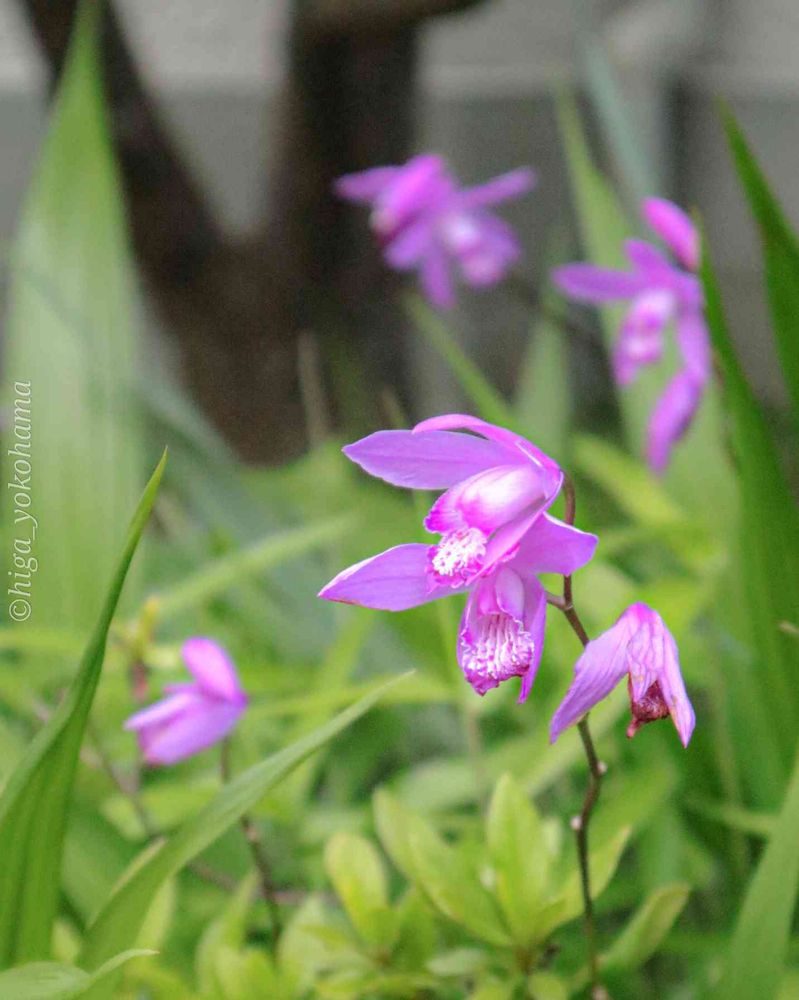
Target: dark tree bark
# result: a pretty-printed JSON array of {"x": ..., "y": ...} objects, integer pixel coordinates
[{"x": 235, "y": 310}]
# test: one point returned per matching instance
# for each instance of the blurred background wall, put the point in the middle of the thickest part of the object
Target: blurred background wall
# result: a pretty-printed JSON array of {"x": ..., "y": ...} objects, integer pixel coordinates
[{"x": 486, "y": 77}]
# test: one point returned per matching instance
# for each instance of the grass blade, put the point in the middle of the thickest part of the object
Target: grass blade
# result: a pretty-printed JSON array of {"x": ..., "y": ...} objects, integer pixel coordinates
[
  {"x": 756, "y": 956},
  {"x": 35, "y": 801},
  {"x": 780, "y": 253}
]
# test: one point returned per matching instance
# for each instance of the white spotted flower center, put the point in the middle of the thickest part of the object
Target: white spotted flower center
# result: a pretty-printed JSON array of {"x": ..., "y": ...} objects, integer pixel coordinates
[
  {"x": 498, "y": 647},
  {"x": 457, "y": 557}
]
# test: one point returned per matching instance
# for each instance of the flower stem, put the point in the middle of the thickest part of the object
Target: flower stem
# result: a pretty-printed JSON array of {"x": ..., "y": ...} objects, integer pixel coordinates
[
  {"x": 250, "y": 830},
  {"x": 596, "y": 768}
]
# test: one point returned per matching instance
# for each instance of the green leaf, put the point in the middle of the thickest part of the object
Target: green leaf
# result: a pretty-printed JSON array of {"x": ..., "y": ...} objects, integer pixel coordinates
[
  {"x": 35, "y": 801},
  {"x": 489, "y": 403},
  {"x": 71, "y": 335},
  {"x": 756, "y": 957},
  {"x": 440, "y": 871},
  {"x": 648, "y": 926},
  {"x": 228, "y": 930},
  {"x": 356, "y": 871},
  {"x": 769, "y": 530},
  {"x": 547, "y": 986},
  {"x": 54, "y": 981},
  {"x": 780, "y": 253},
  {"x": 568, "y": 903},
  {"x": 520, "y": 857},
  {"x": 122, "y": 916}
]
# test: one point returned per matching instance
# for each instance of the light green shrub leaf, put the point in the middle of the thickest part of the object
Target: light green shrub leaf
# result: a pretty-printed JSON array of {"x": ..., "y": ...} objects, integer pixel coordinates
[
  {"x": 356, "y": 871},
  {"x": 520, "y": 857},
  {"x": 55, "y": 981}
]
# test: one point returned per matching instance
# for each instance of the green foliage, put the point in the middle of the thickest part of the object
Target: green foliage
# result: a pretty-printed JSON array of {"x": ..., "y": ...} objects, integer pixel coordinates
[
  {"x": 780, "y": 254},
  {"x": 756, "y": 956},
  {"x": 54, "y": 981},
  {"x": 71, "y": 335},
  {"x": 124, "y": 912},
  {"x": 35, "y": 800}
]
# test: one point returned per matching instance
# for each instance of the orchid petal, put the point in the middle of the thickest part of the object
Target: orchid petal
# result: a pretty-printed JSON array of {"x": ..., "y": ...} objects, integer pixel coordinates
[
  {"x": 465, "y": 422},
  {"x": 671, "y": 418},
  {"x": 694, "y": 341},
  {"x": 653, "y": 659},
  {"x": 509, "y": 592},
  {"x": 394, "y": 580},
  {"x": 436, "y": 278},
  {"x": 550, "y": 546},
  {"x": 599, "y": 669},
  {"x": 498, "y": 189},
  {"x": 432, "y": 460},
  {"x": 675, "y": 228},
  {"x": 410, "y": 245},
  {"x": 535, "y": 622},
  {"x": 640, "y": 339},
  {"x": 163, "y": 711},
  {"x": 366, "y": 185},
  {"x": 589, "y": 283},
  {"x": 645, "y": 257},
  {"x": 212, "y": 668},
  {"x": 489, "y": 499},
  {"x": 201, "y": 723}
]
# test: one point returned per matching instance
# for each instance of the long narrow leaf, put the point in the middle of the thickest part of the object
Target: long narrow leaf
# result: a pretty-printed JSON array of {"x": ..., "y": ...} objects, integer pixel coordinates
[
  {"x": 34, "y": 803},
  {"x": 769, "y": 530},
  {"x": 780, "y": 252},
  {"x": 71, "y": 337},
  {"x": 757, "y": 952}
]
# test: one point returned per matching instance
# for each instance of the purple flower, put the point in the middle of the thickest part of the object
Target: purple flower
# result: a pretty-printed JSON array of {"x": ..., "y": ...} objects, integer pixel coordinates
[
  {"x": 640, "y": 646},
  {"x": 495, "y": 486},
  {"x": 424, "y": 221},
  {"x": 659, "y": 293},
  {"x": 495, "y": 538},
  {"x": 195, "y": 715}
]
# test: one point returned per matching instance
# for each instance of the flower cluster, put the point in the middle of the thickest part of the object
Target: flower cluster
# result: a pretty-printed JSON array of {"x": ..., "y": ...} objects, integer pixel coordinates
[
  {"x": 659, "y": 292},
  {"x": 495, "y": 538},
  {"x": 426, "y": 222}
]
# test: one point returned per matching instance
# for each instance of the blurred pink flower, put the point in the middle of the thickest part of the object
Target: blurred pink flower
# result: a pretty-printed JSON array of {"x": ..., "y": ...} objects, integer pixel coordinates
[
  {"x": 195, "y": 715},
  {"x": 425, "y": 222},
  {"x": 495, "y": 539},
  {"x": 660, "y": 293},
  {"x": 641, "y": 647}
]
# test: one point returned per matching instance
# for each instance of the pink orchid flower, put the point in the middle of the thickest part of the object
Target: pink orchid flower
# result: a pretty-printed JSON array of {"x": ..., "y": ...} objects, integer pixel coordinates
[
  {"x": 426, "y": 222},
  {"x": 196, "y": 715},
  {"x": 495, "y": 538},
  {"x": 659, "y": 293},
  {"x": 641, "y": 647}
]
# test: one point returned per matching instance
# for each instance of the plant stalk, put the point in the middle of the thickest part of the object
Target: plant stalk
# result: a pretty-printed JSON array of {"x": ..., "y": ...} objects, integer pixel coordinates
[{"x": 596, "y": 769}]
